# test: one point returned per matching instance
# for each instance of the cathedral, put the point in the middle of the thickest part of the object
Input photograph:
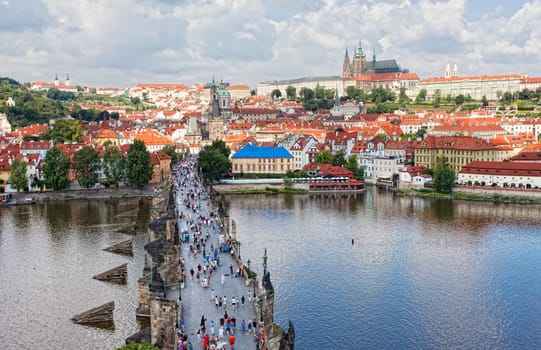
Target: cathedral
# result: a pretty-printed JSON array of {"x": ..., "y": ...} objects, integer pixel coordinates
[
  {"x": 359, "y": 66},
  {"x": 220, "y": 110}
]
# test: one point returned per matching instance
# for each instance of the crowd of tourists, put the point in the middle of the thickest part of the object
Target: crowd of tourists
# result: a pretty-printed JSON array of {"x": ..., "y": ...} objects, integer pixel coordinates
[{"x": 203, "y": 268}]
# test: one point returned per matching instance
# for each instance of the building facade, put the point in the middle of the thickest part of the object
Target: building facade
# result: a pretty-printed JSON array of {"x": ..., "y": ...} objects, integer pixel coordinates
[
  {"x": 458, "y": 151},
  {"x": 269, "y": 160}
]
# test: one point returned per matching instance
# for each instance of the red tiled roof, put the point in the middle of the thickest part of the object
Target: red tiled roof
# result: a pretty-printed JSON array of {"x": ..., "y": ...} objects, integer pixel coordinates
[
  {"x": 502, "y": 168},
  {"x": 455, "y": 142}
]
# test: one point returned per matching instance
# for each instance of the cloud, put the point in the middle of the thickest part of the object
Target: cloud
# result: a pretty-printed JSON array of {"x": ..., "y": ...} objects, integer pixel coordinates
[
  {"x": 120, "y": 43},
  {"x": 17, "y": 15}
]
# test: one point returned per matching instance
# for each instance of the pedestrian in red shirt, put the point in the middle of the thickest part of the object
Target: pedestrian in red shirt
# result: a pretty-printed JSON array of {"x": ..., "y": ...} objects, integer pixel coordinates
[{"x": 232, "y": 341}]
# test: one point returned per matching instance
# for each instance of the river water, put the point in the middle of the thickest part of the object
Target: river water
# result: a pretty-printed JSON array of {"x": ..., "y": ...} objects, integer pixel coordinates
[
  {"x": 48, "y": 255},
  {"x": 421, "y": 274}
]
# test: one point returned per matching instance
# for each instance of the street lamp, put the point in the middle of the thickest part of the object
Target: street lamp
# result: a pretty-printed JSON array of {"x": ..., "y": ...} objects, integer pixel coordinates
[{"x": 238, "y": 247}]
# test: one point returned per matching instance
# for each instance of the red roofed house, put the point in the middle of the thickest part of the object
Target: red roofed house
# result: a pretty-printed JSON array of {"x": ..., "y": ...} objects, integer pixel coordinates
[
  {"x": 161, "y": 166},
  {"x": 501, "y": 174},
  {"x": 327, "y": 170}
]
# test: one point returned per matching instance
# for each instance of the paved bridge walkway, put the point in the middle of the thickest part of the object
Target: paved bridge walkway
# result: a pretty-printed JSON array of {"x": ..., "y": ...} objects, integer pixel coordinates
[{"x": 197, "y": 299}]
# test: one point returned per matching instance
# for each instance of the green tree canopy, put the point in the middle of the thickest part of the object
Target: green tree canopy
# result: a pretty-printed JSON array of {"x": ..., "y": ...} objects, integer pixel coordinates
[
  {"x": 139, "y": 170},
  {"x": 421, "y": 96},
  {"x": 64, "y": 130},
  {"x": 443, "y": 178},
  {"x": 402, "y": 97},
  {"x": 324, "y": 157},
  {"x": 355, "y": 93},
  {"x": 380, "y": 94},
  {"x": 213, "y": 163},
  {"x": 306, "y": 93},
  {"x": 55, "y": 170},
  {"x": 276, "y": 93},
  {"x": 221, "y": 147},
  {"x": 352, "y": 164},
  {"x": 339, "y": 159},
  {"x": 437, "y": 98},
  {"x": 86, "y": 162},
  {"x": 291, "y": 92},
  {"x": 459, "y": 99},
  {"x": 114, "y": 166},
  {"x": 17, "y": 177}
]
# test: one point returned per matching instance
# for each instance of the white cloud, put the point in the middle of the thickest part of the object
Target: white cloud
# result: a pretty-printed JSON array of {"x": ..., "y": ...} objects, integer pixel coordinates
[{"x": 100, "y": 42}]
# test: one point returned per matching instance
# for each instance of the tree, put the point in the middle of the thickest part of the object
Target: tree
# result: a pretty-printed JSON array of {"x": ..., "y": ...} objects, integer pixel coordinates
[
  {"x": 17, "y": 177},
  {"x": 65, "y": 130},
  {"x": 114, "y": 166},
  {"x": 86, "y": 162},
  {"x": 276, "y": 93},
  {"x": 352, "y": 164},
  {"x": 437, "y": 98},
  {"x": 443, "y": 178},
  {"x": 319, "y": 92},
  {"x": 291, "y": 92},
  {"x": 484, "y": 100},
  {"x": 324, "y": 157},
  {"x": 379, "y": 95},
  {"x": 55, "y": 170},
  {"x": 402, "y": 97},
  {"x": 138, "y": 170},
  {"x": 459, "y": 100},
  {"x": 339, "y": 159},
  {"x": 171, "y": 150},
  {"x": 354, "y": 93},
  {"x": 306, "y": 93},
  {"x": 213, "y": 163},
  {"x": 421, "y": 133},
  {"x": 421, "y": 96}
]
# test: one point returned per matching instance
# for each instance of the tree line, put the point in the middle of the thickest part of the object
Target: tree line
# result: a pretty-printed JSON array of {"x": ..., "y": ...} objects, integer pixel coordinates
[{"x": 135, "y": 169}]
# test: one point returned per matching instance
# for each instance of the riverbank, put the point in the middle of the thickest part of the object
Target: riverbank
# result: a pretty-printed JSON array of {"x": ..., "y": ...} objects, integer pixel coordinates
[
  {"x": 102, "y": 193},
  {"x": 266, "y": 188},
  {"x": 478, "y": 197}
]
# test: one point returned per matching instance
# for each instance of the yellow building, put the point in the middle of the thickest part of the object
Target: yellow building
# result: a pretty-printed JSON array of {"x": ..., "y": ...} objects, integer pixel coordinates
[
  {"x": 458, "y": 150},
  {"x": 262, "y": 160}
]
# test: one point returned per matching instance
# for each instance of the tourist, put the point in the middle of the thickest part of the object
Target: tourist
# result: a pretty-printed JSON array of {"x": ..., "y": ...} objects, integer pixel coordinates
[
  {"x": 225, "y": 302},
  {"x": 243, "y": 326},
  {"x": 232, "y": 342},
  {"x": 242, "y": 300},
  {"x": 233, "y": 303},
  {"x": 223, "y": 279},
  {"x": 221, "y": 333},
  {"x": 202, "y": 324},
  {"x": 249, "y": 326},
  {"x": 212, "y": 327},
  {"x": 206, "y": 341},
  {"x": 212, "y": 295}
]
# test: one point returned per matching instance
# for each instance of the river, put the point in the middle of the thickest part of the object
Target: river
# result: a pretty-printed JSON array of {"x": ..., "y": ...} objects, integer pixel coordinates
[
  {"x": 420, "y": 274},
  {"x": 48, "y": 255}
]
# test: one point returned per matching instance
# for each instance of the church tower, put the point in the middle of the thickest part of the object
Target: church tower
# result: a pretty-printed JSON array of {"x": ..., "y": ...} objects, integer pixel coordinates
[
  {"x": 455, "y": 71},
  {"x": 68, "y": 81},
  {"x": 346, "y": 70},
  {"x": 56, "y": 81},
  {"x": 448, "y": 70},
  {"x": 359, "y": 61}
]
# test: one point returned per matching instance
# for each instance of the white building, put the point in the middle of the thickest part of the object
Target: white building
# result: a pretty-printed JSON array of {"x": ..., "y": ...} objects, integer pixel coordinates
[
  {"x": 501, "y": 174},
  {"x": 332, "y": 83}
]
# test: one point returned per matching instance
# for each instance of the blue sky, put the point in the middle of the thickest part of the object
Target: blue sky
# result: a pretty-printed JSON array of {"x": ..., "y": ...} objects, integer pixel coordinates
[{"x": 123, "y": 42}]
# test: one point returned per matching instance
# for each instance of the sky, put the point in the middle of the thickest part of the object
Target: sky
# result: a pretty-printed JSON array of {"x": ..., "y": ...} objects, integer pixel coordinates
[{"x": 119, "y": 43}]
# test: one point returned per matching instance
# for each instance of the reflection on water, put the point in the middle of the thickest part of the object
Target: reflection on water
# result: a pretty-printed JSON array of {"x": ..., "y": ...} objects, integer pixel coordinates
[
  {"x": 421, "y": 274},
  {"x": 48, "y": 254}
]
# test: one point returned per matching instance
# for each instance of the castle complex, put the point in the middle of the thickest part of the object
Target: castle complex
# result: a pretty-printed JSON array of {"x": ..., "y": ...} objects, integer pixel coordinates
[{"x": 359, "y": 66}]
